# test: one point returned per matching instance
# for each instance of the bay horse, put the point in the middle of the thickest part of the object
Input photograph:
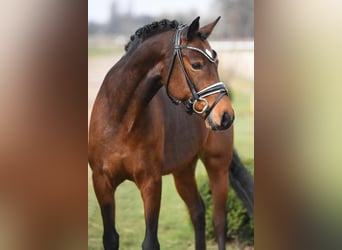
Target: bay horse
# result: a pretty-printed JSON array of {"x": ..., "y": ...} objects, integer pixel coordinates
[{"x": 137, "y": 134}]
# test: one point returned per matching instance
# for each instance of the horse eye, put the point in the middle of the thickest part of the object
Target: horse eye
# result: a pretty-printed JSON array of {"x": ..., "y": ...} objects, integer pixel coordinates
[{"x": 196, "y": 66}]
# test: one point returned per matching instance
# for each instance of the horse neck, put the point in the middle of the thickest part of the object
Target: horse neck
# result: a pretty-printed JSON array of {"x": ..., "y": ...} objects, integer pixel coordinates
[{"x": 136, "y": 80}]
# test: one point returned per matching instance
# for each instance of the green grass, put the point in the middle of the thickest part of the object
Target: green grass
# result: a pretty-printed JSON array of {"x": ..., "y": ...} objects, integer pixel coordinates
[
  {"x": 175, "y": 230},
  {"x": 243, "y": 125}
]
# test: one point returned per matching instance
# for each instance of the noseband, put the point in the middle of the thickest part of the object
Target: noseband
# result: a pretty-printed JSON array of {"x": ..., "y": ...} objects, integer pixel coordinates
[{"x": 197, "y": 96}]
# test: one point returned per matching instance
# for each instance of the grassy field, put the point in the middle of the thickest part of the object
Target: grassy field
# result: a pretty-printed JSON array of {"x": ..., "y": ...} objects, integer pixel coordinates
[{"x": 175, "y": 230}]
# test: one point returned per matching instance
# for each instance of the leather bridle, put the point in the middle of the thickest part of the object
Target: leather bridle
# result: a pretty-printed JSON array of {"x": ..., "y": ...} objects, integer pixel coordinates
[{"x": 197, "y": 96}]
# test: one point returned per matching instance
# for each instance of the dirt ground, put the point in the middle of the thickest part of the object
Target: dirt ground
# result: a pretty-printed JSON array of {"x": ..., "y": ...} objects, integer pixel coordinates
[{"x": 97, "y": 69}]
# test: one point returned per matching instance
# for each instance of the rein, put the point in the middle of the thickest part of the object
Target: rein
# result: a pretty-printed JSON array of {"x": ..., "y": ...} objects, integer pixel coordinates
[{"x": 197, "y": 96}]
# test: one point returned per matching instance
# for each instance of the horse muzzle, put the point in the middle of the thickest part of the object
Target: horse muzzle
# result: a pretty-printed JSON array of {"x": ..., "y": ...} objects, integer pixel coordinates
[{"x": 225, "y": 123}]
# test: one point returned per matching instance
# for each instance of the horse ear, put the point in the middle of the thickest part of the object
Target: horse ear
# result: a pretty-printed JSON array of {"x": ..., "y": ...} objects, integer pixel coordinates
[
  {"x": 193, "y": 28},
  {"x": 206, "y": 30}
]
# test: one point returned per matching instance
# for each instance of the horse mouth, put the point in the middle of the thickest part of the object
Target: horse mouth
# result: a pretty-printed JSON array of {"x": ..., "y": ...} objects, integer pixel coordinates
[
  {"x": 210, "y": 123},
  {"x": 226, "y": 122}
]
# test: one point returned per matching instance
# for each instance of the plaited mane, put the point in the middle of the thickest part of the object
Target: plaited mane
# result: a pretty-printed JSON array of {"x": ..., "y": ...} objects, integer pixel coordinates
[{"x": 149, "y": 30}]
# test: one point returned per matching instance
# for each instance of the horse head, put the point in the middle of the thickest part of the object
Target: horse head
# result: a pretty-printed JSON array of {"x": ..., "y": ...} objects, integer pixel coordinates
[{"x": 193, "y": 79}]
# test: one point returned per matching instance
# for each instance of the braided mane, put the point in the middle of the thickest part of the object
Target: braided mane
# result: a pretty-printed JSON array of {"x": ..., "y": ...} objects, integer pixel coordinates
[{"x": 149, "y": 30}]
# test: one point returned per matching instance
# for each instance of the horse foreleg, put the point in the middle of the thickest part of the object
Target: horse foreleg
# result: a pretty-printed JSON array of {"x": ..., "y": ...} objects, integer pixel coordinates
[
  {"x": 219, "y": 189},
  {"x": 151, "y": 193},
  {"x": 187, "y": 189},
  {"x": 104, "y": 191}
]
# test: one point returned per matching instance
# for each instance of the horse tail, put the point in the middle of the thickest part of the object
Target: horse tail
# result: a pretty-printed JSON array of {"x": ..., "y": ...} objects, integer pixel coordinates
[{"x": 243, "y": 183}]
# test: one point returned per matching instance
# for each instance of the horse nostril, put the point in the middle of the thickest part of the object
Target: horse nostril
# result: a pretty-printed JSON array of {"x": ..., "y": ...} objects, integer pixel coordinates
[{"x": 226, "y": 121}]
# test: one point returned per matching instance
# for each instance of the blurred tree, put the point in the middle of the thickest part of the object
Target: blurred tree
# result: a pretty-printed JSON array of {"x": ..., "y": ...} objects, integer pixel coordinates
[
  {"x": 114, "y": 20},
  {"x": 237, "y": 18},
  {"x": 124, "y": 23},
  {"x": 95, "y": 28},
  {"x": 236, "y": 22}
]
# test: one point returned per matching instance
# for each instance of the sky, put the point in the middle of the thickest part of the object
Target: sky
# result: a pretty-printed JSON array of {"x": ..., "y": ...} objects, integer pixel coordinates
[{"x": 98, "y": 10}]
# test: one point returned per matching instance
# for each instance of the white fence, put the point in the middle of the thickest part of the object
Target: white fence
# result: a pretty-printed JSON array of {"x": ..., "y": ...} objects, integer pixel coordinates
[
  {"x": 233, "y": 45},
  {"x": 236, "y": 57}
]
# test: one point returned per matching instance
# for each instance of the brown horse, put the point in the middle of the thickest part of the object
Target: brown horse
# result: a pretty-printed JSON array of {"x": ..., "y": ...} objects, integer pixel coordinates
[{"x": 137, "y": 134}]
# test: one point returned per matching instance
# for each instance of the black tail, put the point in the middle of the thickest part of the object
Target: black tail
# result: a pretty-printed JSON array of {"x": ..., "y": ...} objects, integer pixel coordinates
[{"x": 243, "y": 183}]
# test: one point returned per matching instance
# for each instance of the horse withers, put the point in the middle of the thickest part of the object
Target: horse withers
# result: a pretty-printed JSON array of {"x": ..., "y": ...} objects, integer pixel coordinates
[{"x": 136, "y": 132}]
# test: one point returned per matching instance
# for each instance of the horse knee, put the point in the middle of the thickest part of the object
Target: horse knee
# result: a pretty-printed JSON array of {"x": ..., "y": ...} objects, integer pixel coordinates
[{"x": 220, "y": 225}]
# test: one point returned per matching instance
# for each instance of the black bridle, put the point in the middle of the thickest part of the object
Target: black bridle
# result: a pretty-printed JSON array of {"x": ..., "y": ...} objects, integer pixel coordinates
[{"x": 197, "y": 96}]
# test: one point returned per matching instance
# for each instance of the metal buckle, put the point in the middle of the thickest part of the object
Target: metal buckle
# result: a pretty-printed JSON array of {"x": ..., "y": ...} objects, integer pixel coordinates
[{"x": 205, "y": 106}]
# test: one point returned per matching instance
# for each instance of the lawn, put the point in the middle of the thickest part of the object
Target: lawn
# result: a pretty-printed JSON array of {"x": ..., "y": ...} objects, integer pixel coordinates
[{"x": 175, "y": 230}]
